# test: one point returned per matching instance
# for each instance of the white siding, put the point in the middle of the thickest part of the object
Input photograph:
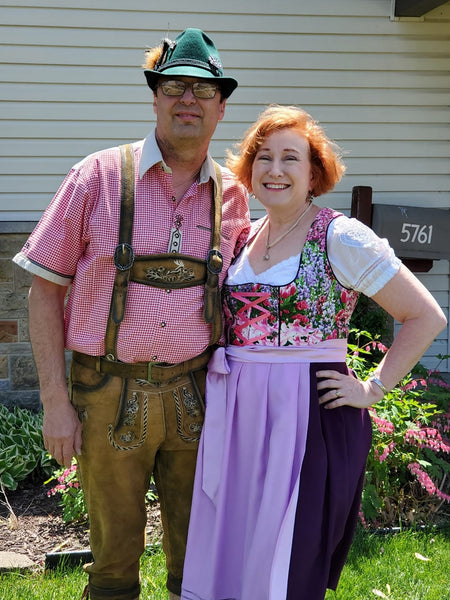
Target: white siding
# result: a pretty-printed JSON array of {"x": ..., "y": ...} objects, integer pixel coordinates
[
  {"x": 71, "y": 84},
  {"x": 437, "y": 280}
]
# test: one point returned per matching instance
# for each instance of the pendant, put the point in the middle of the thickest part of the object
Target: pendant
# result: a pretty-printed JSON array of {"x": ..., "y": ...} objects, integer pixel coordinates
[{"x": 266, "y": 257}]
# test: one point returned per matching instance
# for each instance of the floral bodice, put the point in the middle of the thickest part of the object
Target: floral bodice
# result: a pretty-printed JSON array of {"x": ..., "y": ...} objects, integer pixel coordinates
[{"x": 313, "y": 308}]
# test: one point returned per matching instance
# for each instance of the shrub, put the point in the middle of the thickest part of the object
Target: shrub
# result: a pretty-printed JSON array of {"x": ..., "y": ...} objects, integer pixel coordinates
[
  {"x": 22, "y": 449},
  {"x": 368, "y": 322},
  {"x": 407, "y": 467},
  {"x": 72, "y": 497}
]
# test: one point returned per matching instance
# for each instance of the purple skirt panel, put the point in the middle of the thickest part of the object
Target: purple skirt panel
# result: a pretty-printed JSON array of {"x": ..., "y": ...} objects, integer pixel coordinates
[
  {"x": 278, "y": 480},
  {"x": 329, "y": 498}
]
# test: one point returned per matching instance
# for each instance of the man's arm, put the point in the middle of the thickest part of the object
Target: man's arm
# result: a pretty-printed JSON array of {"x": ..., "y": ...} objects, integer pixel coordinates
[{"x": 61, "y": 427}]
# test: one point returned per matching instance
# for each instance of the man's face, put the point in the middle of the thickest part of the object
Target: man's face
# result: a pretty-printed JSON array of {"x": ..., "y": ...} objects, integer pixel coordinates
[{"x": 186, "y": 117}]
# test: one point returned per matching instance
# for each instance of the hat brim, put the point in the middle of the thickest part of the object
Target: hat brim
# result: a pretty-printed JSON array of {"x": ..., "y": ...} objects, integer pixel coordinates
[{"x": 227, "y": 84}]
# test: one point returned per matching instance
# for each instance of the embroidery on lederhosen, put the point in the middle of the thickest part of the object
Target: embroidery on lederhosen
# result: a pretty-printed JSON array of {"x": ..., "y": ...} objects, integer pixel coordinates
[
  {"x": 189, "y": 405},
  {"x": 128, "y": 423},
  {"x": 179, "y": 274}
]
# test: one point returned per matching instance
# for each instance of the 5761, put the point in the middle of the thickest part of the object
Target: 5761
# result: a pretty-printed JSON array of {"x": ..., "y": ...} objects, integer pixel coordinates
[{"x": 413, "y": 232}]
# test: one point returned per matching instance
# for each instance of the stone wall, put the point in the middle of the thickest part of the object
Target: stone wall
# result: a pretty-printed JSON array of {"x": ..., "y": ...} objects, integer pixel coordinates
[{"x": 19, "y": 383}]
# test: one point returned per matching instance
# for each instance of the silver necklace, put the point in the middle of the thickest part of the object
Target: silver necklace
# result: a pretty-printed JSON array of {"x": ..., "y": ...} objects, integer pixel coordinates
[{"x": 283, "y": 235}]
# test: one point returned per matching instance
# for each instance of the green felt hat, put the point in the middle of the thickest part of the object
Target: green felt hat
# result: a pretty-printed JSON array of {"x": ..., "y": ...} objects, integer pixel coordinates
[{"x": 191, "y": 54}]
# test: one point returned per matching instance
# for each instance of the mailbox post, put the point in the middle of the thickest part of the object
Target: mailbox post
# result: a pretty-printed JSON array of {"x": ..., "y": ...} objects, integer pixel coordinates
[{"x": 418, "y": 235}]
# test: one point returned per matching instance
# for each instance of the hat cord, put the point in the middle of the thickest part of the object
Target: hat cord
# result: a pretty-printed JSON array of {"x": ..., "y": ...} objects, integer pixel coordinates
[{"x": 185, "y": 62}]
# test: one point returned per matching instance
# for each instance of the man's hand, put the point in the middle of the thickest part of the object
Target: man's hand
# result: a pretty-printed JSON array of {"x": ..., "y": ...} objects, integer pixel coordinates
[
  {"x": 61, "y": 428},
  {"x": 62, "y": 432}
]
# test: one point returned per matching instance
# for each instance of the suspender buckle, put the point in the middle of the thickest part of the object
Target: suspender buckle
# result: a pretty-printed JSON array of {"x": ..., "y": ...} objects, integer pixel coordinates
[
  {"x": 123, "y": 257},
  {"x": 214, "y": 262}
]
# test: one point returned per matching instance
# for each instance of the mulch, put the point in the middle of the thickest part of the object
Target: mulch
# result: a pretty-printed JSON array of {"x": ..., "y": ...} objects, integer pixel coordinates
[{"x": 36, "y": 528}]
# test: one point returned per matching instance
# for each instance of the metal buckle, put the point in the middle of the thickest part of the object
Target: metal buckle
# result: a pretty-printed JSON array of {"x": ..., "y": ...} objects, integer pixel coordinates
[
  {"x": 212, "y": 254},
  {"x": 120, "y": 255},
  {"x": 149, "y": 372}
]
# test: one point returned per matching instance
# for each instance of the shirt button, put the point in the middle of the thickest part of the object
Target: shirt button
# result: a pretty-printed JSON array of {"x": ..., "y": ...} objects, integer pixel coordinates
[
  {"x": 168, "y": 291},
  {"x": 154, "y": 357},
  {"x": 162, "y": 324}
]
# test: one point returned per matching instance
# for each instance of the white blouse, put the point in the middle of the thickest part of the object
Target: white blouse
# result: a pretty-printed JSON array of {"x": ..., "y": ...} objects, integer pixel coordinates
[{"x": 359, "y": 258}]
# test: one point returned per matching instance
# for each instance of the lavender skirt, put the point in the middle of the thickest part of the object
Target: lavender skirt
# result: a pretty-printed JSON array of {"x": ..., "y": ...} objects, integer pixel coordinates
[{"x": 278, "y": 480}]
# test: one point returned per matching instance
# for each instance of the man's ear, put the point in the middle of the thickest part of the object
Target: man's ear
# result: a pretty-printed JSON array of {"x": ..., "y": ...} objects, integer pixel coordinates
[{"x": 222, "y": 109}]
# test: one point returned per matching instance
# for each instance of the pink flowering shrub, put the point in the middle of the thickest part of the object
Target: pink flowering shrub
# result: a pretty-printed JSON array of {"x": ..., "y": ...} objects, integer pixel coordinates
[
  {"x": 72, "y": 497},
  {"x": 407, "y": 473}
]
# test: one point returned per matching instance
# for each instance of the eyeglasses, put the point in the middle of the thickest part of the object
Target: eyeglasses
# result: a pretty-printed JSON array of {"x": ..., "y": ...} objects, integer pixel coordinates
[{"x": 200, "y": 89}]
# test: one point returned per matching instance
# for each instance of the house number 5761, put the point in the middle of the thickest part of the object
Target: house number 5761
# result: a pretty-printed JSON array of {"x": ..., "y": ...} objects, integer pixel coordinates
[{"x": 413, "y": 232}]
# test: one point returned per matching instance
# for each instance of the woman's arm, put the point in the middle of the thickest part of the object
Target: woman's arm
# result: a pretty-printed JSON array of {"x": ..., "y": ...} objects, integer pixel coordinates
[{"x": 410, "y": 303}]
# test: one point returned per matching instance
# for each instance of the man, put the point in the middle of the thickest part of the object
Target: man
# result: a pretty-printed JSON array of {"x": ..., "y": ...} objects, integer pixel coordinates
[{"x": 138, "y": 234}]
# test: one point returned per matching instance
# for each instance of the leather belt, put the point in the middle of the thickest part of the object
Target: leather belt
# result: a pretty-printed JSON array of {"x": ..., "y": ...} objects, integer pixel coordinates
[{"x": 151, "y": 371}]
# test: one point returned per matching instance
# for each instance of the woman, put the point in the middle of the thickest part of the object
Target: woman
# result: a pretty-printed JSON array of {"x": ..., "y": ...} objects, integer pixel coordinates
[{"x": 286, "y": 436}]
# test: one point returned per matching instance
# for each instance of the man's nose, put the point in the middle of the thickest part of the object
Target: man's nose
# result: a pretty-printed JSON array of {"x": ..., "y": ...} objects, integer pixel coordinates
[{"x": 188, "y": 95}]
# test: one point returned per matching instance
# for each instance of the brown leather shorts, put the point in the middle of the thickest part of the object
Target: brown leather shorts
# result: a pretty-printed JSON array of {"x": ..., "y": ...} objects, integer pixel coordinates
[{"x": 131, "y": 430}]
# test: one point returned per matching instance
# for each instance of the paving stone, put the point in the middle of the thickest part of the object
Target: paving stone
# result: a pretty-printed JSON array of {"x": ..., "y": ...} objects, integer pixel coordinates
[{"x": 10, "y": 561}]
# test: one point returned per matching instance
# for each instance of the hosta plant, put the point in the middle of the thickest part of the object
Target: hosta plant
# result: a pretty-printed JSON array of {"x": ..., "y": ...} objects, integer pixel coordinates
[{"x": 21, "y": 446}]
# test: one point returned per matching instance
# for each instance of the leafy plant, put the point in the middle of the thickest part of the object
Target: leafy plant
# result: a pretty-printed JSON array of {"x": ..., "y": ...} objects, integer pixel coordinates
[
  {"x": 72, "y": 497},
  {"x": 21, "y": 446},
  {"x": 407, "y": 468},
  {"x": 368, "y": 322},
  {"x": 437, "y": 389}
]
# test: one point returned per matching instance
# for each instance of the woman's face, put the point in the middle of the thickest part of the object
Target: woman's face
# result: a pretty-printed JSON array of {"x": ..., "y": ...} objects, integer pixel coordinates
[{"x": 281, "y": 171}]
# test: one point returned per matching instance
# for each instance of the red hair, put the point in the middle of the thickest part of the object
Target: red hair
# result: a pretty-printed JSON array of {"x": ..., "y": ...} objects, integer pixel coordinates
[{"x": 325, "y": 156}]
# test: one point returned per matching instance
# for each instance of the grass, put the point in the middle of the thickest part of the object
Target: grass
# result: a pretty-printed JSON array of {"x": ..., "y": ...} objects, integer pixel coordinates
[{"x": 409, "y": 565}]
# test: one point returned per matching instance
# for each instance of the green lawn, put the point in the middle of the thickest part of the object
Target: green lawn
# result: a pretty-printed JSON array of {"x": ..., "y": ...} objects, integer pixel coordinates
[{"x": 404, "y": 566}]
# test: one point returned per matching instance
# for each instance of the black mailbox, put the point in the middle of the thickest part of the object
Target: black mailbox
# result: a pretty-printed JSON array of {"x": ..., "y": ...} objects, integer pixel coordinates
[{"x": 414, "y": 232}]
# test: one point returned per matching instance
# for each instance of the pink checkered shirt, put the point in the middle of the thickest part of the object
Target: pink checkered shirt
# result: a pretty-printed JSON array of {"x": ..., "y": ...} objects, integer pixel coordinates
[{"x": 74, "y": 242}]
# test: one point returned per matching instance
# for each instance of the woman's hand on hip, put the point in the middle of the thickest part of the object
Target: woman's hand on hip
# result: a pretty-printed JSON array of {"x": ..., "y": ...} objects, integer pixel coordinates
[{"x": 346, "y": 390}]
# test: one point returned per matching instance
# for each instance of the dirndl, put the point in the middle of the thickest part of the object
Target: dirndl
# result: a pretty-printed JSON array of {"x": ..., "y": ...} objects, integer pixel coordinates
[{"x": 278, "y": 480}]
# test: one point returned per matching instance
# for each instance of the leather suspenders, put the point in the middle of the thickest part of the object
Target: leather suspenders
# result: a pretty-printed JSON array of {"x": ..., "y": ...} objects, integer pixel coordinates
[
  {"x": 123, "y": 254},
  {"x": 171, "y": 270}
]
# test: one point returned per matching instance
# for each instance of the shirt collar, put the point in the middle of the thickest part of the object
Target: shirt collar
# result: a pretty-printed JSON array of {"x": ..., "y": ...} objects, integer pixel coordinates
[{"x": 151, "y": 155}]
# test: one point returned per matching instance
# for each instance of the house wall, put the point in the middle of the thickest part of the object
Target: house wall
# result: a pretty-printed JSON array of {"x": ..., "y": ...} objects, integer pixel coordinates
[{"x": 71, "y": 84}]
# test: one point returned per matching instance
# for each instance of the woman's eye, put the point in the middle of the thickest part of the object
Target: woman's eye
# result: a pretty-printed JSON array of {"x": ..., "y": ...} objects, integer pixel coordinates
[
  {"x": 263, "y": 157},
  {"x": 289, "y": 157}
]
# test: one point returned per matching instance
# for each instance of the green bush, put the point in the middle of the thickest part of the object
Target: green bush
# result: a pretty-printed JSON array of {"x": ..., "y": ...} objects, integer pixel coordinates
[
  {"x": 370, "y": 321},
  {"x": 437, "y": 390},
  {"x": 71, "y": 494},
  {"x": 72, "y": 497},
  {"x": 408, "y": 467},
  {"x": 22, "y": 449}
]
